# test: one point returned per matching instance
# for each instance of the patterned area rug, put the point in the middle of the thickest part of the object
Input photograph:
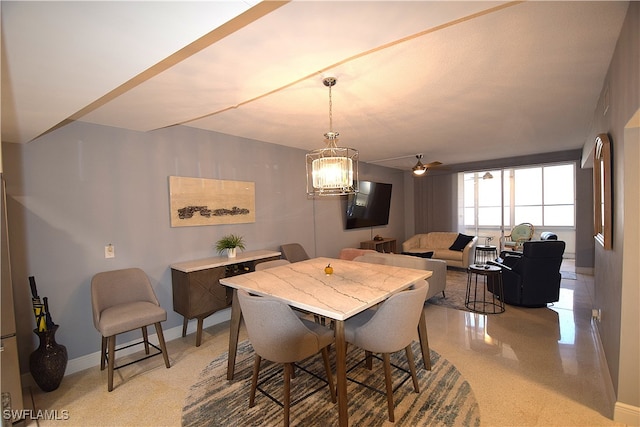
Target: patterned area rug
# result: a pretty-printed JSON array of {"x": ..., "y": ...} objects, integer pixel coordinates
[
  {"x": 455, "y": 291},
  {"x": 445, "y": 398}
]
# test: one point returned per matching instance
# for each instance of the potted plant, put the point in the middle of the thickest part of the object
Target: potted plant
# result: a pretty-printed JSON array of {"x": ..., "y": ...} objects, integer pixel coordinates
[{"x": 230, "y": 243}]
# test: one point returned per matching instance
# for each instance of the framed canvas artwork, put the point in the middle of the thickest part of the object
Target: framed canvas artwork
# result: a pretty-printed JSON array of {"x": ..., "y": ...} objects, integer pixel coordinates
[{"x": 202, "y": 201}]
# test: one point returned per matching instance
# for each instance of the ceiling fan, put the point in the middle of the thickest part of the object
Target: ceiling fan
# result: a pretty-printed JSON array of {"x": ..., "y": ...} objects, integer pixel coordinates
[{"x": 420, "y": 169}]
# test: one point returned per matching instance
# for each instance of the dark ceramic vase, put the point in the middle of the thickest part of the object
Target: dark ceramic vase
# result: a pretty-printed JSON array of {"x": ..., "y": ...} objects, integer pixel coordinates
[{"x": 49, "y": 361}]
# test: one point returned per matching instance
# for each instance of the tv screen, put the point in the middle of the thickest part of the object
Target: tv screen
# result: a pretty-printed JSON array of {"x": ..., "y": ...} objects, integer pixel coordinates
[{"x": 370, "y": 206}]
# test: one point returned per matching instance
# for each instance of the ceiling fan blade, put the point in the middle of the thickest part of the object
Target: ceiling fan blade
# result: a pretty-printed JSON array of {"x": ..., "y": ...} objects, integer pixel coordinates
[{"x": 432, "y": 164}]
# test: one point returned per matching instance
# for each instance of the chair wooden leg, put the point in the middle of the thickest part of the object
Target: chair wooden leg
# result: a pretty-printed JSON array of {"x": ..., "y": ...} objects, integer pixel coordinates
[
  {"x": 287, "y": 393},
  {"x": 254, "y": 380},
  {"x": 103, "y": 353},
  {"x": 327, "y": 368},
  {"x": 145, "y": 338},
  {"x": 111, "y": 361},
  {"x": 199, "y": 331},
  {"x": 424, "y": 341},
  {"x": 163, "y": 346},
  {"x": 368, "y": 360},
  {"x": 412, "y": 368},
  {"x": 389, "y": 385}
]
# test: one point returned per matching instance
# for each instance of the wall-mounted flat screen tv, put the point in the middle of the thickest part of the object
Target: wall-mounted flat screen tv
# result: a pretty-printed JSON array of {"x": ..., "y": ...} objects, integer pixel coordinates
[{"x": 370, "y": 206}]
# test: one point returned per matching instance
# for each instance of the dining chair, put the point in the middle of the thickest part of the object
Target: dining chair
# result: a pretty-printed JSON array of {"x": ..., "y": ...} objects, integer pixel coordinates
[
  {"x": 122, "y": 301},
  {"x": 278, "y": 335},
  {"x": 270, "y": 264},
  {"x": 388, "y": 329},
  {"x": 293, "y": 252}
]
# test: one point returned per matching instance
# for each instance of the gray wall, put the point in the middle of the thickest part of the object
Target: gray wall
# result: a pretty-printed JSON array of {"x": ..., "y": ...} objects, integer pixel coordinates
[
  {"x": 81, "y": 187},
  {"x": 436, "y": 207},
  {"x": 623, "y": 86}
]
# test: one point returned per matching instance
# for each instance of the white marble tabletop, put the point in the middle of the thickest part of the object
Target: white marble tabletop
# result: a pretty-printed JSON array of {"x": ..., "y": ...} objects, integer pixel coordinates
[
  {"x": 221, "y": 261},
  {"x": 353, "y": 287}
]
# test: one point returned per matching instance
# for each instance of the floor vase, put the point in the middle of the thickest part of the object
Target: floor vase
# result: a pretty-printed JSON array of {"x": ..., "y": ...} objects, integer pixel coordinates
[{"x": 49, "y": 361}]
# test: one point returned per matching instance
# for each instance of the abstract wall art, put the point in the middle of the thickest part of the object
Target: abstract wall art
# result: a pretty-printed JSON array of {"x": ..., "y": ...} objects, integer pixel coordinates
[{"x": 202, "y": 201}]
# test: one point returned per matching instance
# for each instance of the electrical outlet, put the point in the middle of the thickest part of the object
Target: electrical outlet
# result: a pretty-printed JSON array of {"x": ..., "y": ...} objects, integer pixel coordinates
[
  {"x": 596, "y": 314},
  {"x": 109, "y": 251}
]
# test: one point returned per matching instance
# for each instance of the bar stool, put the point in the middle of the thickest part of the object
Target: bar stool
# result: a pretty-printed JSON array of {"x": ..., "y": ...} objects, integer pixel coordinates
[{"x": 483, "y": 275}]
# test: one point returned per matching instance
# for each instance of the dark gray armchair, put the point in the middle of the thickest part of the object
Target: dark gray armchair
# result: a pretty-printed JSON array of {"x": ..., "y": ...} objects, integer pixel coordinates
[{"x": 532, "y": 278}]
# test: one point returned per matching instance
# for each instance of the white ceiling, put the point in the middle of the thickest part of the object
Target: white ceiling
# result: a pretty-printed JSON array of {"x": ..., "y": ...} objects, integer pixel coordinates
[{"x": 456, "y": 81}]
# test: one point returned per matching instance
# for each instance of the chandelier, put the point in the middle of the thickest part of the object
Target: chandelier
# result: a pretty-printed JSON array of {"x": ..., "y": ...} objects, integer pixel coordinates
[{"x": 333, "y": 170}]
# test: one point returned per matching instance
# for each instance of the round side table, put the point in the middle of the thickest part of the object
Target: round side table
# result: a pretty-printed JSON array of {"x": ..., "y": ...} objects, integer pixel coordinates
[
  {"x": 486, "y": 253},
  {"x": 478, "y": 300}
]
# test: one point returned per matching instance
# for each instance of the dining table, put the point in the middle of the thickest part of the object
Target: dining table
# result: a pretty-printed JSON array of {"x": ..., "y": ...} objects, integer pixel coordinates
[{"x": 349, "y": 289}]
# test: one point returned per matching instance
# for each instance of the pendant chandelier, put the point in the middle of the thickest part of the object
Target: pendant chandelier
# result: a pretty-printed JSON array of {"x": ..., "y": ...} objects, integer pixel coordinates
[{"x": 333, "y": 170}]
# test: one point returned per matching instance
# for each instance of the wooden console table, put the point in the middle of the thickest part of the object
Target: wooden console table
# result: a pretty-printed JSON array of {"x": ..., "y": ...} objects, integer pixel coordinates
[
  {"x": 197, "y": 292},
  {"x": 385, "y": 245}
]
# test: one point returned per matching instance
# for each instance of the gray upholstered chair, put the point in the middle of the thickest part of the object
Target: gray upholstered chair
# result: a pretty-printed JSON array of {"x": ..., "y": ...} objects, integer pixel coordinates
[
  {"x": 122, "y": 301},
  {"x": 270, "y": 264},
  {"x": 278, "y": 335},
  {"x": 293, "y": 252},
  {"x": 388, "y": 329}
]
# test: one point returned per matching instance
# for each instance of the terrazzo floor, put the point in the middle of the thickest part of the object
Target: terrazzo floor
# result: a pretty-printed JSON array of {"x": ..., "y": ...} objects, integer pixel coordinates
[{"x": 527, "y": 367}]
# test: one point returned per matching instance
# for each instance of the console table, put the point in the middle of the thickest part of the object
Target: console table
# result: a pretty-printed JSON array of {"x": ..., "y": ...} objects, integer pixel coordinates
[
  {"x": 385, "y": 245},
  {"x": 197, "y": 292}
]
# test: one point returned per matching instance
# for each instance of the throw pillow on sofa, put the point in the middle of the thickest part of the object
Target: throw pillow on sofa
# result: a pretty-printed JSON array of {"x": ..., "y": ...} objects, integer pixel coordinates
[
  {"x": 461, "y": 241},
  {"x": 419, "y": 254}
]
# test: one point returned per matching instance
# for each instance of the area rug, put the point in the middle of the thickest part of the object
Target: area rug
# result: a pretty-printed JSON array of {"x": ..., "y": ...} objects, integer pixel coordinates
[
  {"x": 445, "y": 398},
  {"x": 455, "y": 291}
]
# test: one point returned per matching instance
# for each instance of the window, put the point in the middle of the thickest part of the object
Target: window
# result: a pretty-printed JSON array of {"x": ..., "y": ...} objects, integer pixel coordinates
[{"x": 542, "y": 195}]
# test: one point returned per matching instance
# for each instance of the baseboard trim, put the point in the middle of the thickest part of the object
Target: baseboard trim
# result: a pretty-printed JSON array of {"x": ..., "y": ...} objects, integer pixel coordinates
[
  {"x": 627, "y": 414},
  {"x": 92, "y": 360},
  {"x": 604, "y": 368},
  {"x": 587, "y": 271},
  {"x": 622, "y": 412}
]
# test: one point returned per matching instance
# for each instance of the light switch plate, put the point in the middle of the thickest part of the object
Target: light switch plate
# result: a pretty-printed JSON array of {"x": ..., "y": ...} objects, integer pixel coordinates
[{"x": 109, "y": 251}]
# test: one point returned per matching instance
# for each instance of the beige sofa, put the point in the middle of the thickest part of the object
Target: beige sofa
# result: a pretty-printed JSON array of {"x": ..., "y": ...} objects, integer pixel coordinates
[
  {"x": 439, "y": 243},
  {"x": 437, "y": 281}
]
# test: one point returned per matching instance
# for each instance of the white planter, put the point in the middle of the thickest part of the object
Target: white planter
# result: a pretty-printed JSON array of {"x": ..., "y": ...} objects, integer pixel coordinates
[{"x": 231, "y": 252}]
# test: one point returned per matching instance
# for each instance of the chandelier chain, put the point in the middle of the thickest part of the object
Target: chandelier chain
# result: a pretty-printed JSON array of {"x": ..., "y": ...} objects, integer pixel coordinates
[{"x": 330, "y": 111}]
